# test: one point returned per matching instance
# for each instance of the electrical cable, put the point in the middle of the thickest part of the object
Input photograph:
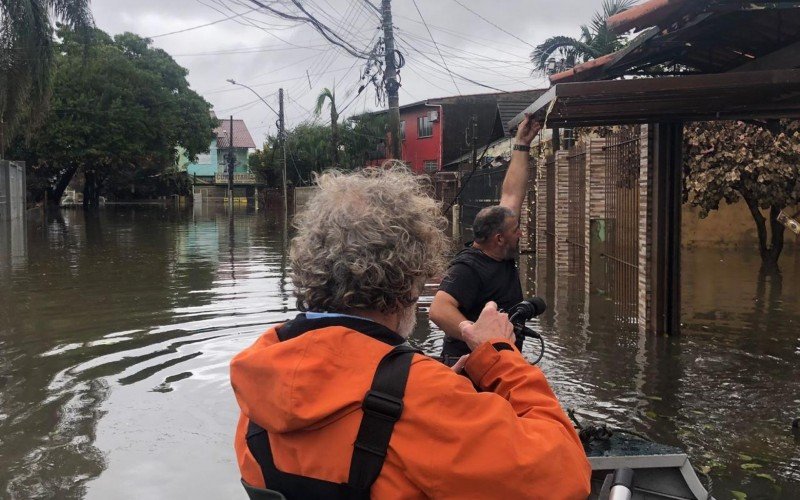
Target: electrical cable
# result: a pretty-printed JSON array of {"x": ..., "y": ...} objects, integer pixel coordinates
[
  {"x": 496, "y": 26},
  {"x": 435, "y": 45},
  {"x": 200, "y": 26}
]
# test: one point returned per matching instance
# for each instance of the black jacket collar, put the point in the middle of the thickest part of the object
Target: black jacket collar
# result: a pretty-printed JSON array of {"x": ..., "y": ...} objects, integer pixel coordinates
[{"x": 301, "y": 324}]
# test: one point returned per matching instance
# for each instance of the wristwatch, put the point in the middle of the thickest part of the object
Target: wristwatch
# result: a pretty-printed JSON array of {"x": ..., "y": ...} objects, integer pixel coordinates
[{"x": 521, "y": 147}]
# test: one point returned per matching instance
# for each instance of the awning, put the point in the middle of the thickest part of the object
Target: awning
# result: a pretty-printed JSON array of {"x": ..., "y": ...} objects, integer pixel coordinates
[{"x": 727, "y": 96}]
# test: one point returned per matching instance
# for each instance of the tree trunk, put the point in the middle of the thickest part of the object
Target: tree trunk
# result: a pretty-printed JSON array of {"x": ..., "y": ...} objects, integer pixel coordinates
[
  {"x": 772, "y": 251},
  {"x": 91, "y": 194},
  {"x": 56, "y": 192},
  {"x": 334, "y": 135},
  {"x": 777, "y": 231},
  {"x": 761, "y": 226}
]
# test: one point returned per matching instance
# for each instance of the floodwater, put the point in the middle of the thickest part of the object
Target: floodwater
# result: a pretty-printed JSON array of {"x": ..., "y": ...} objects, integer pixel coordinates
[{"x": 116, "y": 330}]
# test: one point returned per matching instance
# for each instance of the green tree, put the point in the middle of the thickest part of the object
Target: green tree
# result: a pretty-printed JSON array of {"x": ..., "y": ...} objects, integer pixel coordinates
[
  {"x": 737, "y": 160},
  {"x": 330, "y": 96},
  {"x": 264, "y": 165},
  {"x": 118, "y": 106},
  {"x": 308, "y": 150},
  {"x": 26, "y": 56},
  {"x": 596, "y": 40}
]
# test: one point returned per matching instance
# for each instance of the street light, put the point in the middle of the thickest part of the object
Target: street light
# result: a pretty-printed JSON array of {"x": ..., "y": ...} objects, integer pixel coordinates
[
  {"x": 281, "y": 135},
  {"x": 234, "y": 82}
]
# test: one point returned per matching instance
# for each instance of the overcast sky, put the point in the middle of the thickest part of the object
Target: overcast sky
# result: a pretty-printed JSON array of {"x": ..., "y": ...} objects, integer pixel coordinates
[{"x": 266, "y": 53}]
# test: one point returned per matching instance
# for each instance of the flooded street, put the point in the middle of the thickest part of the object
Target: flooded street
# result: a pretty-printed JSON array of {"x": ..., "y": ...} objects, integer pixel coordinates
[{"x": 116, "y": 330}]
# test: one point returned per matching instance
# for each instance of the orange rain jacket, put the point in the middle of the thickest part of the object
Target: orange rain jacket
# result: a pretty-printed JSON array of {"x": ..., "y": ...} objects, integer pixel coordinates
[{"x": 512, "y": 441}]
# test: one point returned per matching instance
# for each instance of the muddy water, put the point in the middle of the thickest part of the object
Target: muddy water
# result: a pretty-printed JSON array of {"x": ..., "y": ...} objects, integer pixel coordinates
[{"x": 116, "y": 330}]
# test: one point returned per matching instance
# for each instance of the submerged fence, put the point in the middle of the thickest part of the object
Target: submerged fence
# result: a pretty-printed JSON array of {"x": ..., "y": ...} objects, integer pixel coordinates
[{"x": 623, "y": 152}]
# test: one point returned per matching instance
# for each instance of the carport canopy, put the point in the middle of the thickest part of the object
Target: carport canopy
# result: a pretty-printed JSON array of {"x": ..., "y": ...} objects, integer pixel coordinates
[{"x": 751, "y": 95}]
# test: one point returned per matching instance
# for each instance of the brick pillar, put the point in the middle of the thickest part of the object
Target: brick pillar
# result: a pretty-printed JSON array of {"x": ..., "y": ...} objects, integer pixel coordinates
[
  {"x": 645, "y": 233},
  {"x": 540, "y": 190},
  {"x": 595, "y": 196},
  {"x": 562, "y": 212},
  {"x": 528, "y": 241}
]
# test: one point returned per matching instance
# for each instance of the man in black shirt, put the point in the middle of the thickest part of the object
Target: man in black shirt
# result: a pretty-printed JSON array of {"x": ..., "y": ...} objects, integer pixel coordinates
[{"x": 486, "y": 270}]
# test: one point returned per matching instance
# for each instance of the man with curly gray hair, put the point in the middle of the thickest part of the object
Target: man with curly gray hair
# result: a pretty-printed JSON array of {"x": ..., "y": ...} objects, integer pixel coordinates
[{"x": 336, "y": 404}]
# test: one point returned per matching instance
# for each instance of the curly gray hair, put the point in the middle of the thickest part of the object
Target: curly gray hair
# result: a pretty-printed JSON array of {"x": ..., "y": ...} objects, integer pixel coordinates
[{"x": 367, "y": 240}]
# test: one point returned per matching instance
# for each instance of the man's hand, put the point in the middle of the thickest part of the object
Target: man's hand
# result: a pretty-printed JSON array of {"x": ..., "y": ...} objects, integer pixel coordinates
[
  {"x": 527, "y": 130},
  {"x": 491, "y": 324}
]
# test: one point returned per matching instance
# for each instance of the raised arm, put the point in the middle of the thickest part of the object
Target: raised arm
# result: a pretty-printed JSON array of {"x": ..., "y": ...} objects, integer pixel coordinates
[{"x": 516, "y": 179}]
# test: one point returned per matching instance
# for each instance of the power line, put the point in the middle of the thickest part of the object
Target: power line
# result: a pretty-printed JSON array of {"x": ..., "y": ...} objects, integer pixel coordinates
[
  {"x": 321, "y": 28},
  {"x": 452, "y": 73},
  {"x": 437, "y": 47},
  {"x": 202, "y": 25},
  {"x": 496, "y": 26}
]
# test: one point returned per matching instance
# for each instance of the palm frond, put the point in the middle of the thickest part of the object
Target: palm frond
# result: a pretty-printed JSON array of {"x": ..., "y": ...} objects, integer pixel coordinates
[
  {"x": 326, "y": 93},
  {"x": 27, "y": 55},
  {"x": 546, "y": 49}
]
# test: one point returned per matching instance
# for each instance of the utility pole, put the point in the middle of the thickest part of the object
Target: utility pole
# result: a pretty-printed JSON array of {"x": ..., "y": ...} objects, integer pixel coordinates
[
  {"x": 392, "y": 85},
  {"x": 231, "y": 164},
  {"x": 282, "y": 136}
]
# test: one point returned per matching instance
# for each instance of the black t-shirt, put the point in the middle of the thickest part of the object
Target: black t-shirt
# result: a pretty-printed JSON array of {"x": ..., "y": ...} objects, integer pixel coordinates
[{"x": 473, "y": 279}]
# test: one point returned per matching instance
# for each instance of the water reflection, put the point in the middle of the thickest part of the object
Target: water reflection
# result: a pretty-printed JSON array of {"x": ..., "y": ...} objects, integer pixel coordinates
[{"x": 117, "y": 329}]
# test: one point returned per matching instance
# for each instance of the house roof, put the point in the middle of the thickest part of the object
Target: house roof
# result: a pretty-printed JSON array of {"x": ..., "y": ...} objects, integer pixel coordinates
[
  {"x": 241, "y": 136},
  {"x": 699, "y": 37},
  {"x": 509, "y": 109}
]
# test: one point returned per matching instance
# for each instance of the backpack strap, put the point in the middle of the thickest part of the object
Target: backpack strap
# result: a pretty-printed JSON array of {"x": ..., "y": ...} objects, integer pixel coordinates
[{"x": 382, "y": 407}]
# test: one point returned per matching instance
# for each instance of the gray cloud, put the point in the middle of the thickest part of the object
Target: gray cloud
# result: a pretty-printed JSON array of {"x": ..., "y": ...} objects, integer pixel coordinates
[{"x": 267, "y": 53}]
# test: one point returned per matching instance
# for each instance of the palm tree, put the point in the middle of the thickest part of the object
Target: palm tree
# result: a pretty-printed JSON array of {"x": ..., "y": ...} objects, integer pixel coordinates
[
  {"x": 596, "y": 40},
  {"x": 331, "y": 96},
  {"x": 26, "y": 56}
]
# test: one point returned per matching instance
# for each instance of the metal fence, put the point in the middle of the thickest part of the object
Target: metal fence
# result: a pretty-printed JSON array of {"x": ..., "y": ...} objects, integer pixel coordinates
[
  {"x": 622, "y": 154},
  {"x": 480, "y": 190}
]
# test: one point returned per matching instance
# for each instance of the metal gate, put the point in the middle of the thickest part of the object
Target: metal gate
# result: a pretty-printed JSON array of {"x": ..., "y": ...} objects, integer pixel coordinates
[
  {"x": 622, "y": 221},
  {"x": 481, "y": 189},
  {"x": 576, "y": 214}
]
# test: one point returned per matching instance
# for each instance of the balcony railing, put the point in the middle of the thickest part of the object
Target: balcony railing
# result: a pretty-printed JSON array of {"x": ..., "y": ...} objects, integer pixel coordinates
[{"x": 238, "y": 178}]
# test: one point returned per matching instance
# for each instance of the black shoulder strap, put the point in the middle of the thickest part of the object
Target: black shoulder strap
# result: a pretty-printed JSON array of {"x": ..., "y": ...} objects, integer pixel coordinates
[{"x": 382, "y": 406}]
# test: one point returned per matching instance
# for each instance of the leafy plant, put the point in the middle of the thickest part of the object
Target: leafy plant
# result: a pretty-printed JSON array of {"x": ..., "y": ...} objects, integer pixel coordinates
[{"x": 736, "y": 160}]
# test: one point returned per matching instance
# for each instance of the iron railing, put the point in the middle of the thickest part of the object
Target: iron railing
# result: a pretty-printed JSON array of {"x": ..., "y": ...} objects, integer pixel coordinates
[{"x": 622, "y": 154}]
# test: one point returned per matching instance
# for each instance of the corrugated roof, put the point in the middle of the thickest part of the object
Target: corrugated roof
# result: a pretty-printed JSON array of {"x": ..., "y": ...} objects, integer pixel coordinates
[
  {"x": 241, "y": 136},
  {"x": 509, "y": 109}
]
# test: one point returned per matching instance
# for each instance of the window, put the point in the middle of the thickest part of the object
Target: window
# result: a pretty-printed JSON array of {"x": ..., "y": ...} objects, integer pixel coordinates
[
  {"x": 430, "y": 166},
  {"x": 402, "y": 130},
  {"x": 424, "y": 126}
]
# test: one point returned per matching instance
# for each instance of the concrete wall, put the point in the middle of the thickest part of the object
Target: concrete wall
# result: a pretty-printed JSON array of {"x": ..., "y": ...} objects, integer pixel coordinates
[
  {"x": 13, "y": 235},
  {"x": 12, "y": 190},
  {"x": 731, "y": 226}
]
